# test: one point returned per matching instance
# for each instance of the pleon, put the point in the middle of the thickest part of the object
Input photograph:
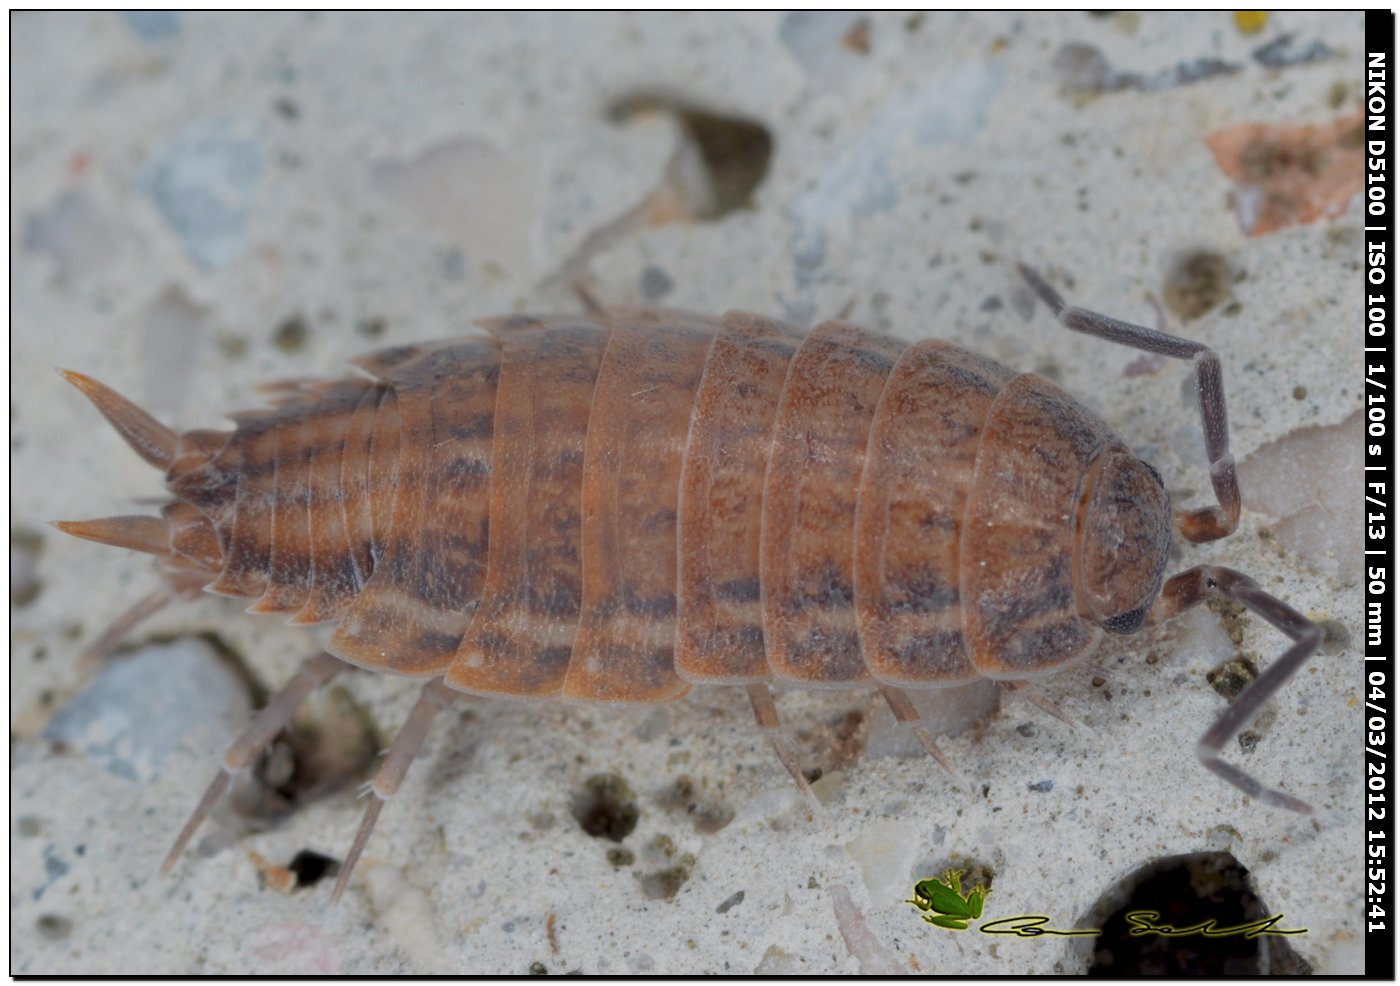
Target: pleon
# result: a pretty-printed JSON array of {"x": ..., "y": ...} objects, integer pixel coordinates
[
  {"x": 410, "y": 616},
  {"x": 250, "y": 455},
  {"x": 356, "y": 507},
  {"x": 333, "y": 574},
  {"x": 199, "y": 475},
  {"x": 192, "y": 536},
  {"x": 289, "y": 561}
]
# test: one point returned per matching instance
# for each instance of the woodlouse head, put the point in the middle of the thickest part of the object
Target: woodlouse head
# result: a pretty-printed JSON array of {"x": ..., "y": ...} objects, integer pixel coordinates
[{"x": 1125, "y": 534}]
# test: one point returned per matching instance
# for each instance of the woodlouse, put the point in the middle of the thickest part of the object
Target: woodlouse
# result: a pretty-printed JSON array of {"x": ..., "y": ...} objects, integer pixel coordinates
[{"x": 612, "y": 506}]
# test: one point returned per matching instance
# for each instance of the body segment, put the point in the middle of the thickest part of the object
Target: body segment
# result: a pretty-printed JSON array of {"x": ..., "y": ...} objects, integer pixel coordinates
[
  {"x": 913, "y": 503},
  {"x": 809, "y": 504}
]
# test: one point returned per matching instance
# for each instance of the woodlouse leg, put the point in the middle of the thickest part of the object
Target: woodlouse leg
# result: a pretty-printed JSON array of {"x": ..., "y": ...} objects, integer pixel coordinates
[
  {"x": 1028, "y": 691},
  {"x": 1195, "y": 586},
  {"x": 590, "y": 303},
  {"x": 270, "y": 720},
  {"x": 145, "y": 608},
  {"x": 179, "y": 586},
  {"x": 434, "y": 697},
  {"x": 906, "y": 714},
  {"x": 765, "y": 712},
  {"x": 1206, "y": 523}
]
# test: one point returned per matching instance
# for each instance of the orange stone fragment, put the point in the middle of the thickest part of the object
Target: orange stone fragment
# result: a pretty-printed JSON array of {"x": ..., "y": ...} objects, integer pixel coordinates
[{"x": 1287, "y": 175}]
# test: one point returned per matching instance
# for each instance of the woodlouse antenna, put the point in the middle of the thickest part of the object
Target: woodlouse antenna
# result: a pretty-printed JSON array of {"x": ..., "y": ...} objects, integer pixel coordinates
[
  {"x": 148, "y": 437},
  {"x": 1206, "y": 523},
  {"x": 1195, "y": 586}
]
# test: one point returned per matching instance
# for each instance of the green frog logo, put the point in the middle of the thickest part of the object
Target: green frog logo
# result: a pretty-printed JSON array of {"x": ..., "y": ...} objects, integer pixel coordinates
[{"x": 944, "y": 903}]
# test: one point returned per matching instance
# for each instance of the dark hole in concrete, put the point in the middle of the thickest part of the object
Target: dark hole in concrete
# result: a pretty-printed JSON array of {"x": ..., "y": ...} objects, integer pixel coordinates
[
  {"x": 707, "y": 814},
  {"x": 665, "y": 884},
  {"x": 54, "y": 927},
  {"x": 291, "y": 335},
  {"x": 1185, "y": 891},
  {"x": 1234, "y": 676},
  {"x": 330, "y": 744},
  {"x": 606, "y": 807},
  {"x": 311, "y": 867},
  {"x": 655, "y": 283},
  {"x": 25, "y": 548},
  {"x": 1335, "y": 637},
  {"x": 735, "y": 151},
  {"x": 1196, "y": 283},
  {"x": 621, "y": 857}
]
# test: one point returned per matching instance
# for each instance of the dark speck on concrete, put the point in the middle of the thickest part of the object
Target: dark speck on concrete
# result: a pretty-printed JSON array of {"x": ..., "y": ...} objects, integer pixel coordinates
[
  {"x": 730, "y": 901},
  {"x": 54, "y": 868},
  {"x": 54, "y": 927},
  {"x": 656, "y": 283},
  {"x": 291, "y": 334}
]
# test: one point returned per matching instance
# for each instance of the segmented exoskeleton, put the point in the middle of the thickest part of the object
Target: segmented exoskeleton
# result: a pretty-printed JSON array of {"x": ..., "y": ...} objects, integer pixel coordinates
[{"x": 611, "y": 506}]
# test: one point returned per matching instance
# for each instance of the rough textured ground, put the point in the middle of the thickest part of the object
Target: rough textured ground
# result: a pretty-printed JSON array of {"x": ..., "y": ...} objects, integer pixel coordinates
[{"x": 201, "y": 203}]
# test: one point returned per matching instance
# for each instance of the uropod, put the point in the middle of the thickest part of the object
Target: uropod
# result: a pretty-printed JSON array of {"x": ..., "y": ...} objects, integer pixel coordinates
[{"x": 609, "y": 507}]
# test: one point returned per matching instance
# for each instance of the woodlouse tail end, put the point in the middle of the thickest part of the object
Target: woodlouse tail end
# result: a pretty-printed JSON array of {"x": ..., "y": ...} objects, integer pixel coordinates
[
  {"x": 138, "y": 532},
  {"x": 150, "y": 439}
]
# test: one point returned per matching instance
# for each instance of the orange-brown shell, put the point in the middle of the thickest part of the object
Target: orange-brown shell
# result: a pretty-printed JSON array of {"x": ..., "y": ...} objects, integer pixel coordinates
[{"x": 611, "y": 507}]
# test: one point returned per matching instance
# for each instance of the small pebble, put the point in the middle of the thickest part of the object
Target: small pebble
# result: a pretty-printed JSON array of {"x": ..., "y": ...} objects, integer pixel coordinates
[{"x": 144, "y": 707}]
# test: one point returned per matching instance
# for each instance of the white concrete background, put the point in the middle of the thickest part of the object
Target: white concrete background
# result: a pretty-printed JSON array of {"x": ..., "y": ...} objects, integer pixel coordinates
[{"x": 906, "y": 181}]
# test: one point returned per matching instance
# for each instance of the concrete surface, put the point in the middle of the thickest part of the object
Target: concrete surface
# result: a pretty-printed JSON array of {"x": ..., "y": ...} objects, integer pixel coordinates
[{"x": 205, "y": 202}]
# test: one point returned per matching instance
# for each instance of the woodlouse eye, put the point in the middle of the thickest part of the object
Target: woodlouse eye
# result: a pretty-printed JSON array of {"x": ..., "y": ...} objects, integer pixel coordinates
[{"x": 1127, "y": 622}]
